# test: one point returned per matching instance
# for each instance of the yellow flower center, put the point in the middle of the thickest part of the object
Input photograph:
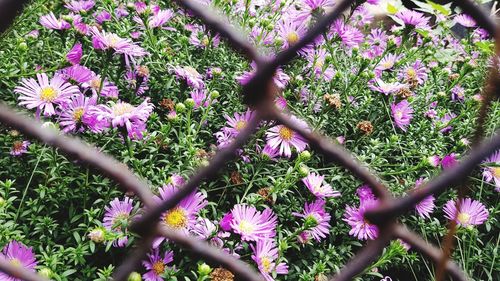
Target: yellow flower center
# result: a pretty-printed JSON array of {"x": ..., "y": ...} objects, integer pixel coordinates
[
  {"x": 463, "y": 218},
  {"x": 412, "y": 73},
  {"x": 292, "y": 37},
  {"x": 158, "y": 267},
  {"x": 496, "y": 172},
  {"x": 205, "y": 41},
  {"x": 176, "y": 218},
  {"x": 286, "y": 133},
  {"x": 387, "y": 64},
  {"x": 246, "y": 227},
  {"x": 240, "y": 125},
  {"x": 77, "y": 114},
  {"x": 95, "y": 83},
  {"x": 266, "y": 263},
  {"x": 399, "y": 114},
  {"x": 319, "y": 63},
  {"x": 48, "y": 94},
  {"x": 17, "y": 145},
  {"x": 113, "y": 40},
  {"x": 122, "y": 108},
  {"x": 16, "y": 262}
]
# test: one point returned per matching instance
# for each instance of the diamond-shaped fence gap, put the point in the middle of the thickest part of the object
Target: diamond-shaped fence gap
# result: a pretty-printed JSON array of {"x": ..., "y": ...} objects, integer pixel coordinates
[{"x": 259, "y": 93}]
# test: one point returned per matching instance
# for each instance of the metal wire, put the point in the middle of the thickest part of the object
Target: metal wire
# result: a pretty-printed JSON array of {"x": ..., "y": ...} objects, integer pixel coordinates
[{"x": 259, "y": 93}]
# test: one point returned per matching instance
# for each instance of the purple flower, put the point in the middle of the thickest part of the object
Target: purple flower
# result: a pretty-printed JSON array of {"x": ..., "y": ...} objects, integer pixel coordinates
[
  {"x": 465, "y": 20},
  {"x": 470, "y": 212},
  {"x": 360, "y": 227},
  {"x": 377, "y": 40},
  {"x": 265, "y": 254},
  {"x": 237, "y": 123},
  {"x": 159, "y": 18},
  {"x": 280, "y": 78},
  {"x": 315, "y": 183},
  {"x": 225, "y": 222},
  {"x": 122, "y": 114},
  {"x": 362, "y": 16},
  {"x": 80, "y": 26},
  {"x": 402, "y": 113},
  {"x": 284, "y": 137},
  {"x": 183, "y": 216},
  {"x": 434, "y": 160},
  {"x": 80, "y": 6},
  {"x": 425, "y": 207},
  {"x": 313, "y": 8},
  {"x": 269, "y": 152},
  {"x": 156, "y": 265},
  {"x": 449, "y": 161},
  {"x": 102, "y": 40},
  {"x": 416, "y": 73},
  {"x": 251, "y": 224},
  {"x": 202, "y": 38},
  {"x": 76, "y": 115},
  {"x": 492, "y": 173},
  {"x": 19, "y": 255},
  {"x": 44, "y": 94},
  {"x": 75, "y": 54},
  {"x": 290, "y": 32},
  {"x": 413, "y": 19},
  {"x": 457, "y": 93},
  {"x": 385, "y": 88},
  {"x": 51, "y": 22},
  {"x": 351, "y": 36},
  {"x": 316, "y": 218},
  {"x": 19, "y": 148},
  {"x": 317, "y": 63},
  {"x": 102, "y": 17},
  {"x": 117, "y": 218},
  {"x": 192, "y": 77},
  {"x": 365, "y": 193},
  {"x": 76, "y": 73}
]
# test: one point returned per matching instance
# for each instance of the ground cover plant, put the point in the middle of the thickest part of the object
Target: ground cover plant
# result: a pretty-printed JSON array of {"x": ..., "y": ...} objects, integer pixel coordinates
[{"x": 148, "y": 84}]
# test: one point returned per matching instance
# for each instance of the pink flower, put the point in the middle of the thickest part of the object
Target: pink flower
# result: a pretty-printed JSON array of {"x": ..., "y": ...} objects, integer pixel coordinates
[
  {"x": 265, "y": 254},
  {"x": 284, "y": 137},
  {"x": 19, "y": 148},
  {"x": 225, "y": 222},
  {"x": 315, "y": 183},
  {"x": 361, "y": 228},
  {"x": 280, "y": 78},
  {"x": 316, "y": 218},
  {"x": 251, "y": 224},
  {"x": 193, "y": 78},
  {"x": 102, "y": 40},
  {"x": 76, "y": 115},
  {"x": 117, "y": 218},
  {"x": 75, "y": 54},
  {"x": 17, "y": 254},
  {"x": 402, "y": 113},
  {"x": 492, "y": 173},
  {"x": 156, "y": 265},
  {"x": 465, "y": 20},
  {"x": 44, "y": 94},
  {"x": 449, "y": 161},
  {"x": 51, "y": 22},
  {"x": 425, "y": 207},
  {"x": 80, "y": 6},
  {"x": 411, "y": 18},
  {"x": 471, "y": 212}
]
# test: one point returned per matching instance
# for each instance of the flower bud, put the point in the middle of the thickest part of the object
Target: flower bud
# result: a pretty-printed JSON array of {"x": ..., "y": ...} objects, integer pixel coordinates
[
  {"x": 214, "y": 94},
  {"x": 204, "y": 269},
  {"x": 305, "y": 155},
  {"x": 22, "y": 46},
  {"x": 97, "y": 235},
  {"x": 172, "y": 116},
  {"x": 45, "y": 272},
  {"x": 180, "y": 107},
  {"x": 2, "y": 202},
  {"x": 134, "y": 276},
  {"x": 303, "y": 170},
  {"x": 189, "y": 103}
]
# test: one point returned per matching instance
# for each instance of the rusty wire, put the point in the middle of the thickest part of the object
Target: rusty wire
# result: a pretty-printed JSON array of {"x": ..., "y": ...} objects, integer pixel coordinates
[{"x": 259, "y": 94}]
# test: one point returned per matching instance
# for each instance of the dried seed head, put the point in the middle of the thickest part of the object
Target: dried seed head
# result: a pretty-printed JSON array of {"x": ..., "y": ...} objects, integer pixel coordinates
[
  {"x": 333, "y": 101},
  {"x": 236, "y": 178},
  {"x": 265, "y": 192},
  {"x": 167, "y": 104},
  {"x": 365, "y": 126},
  {"x": 454, "y": 76},
  {"x": 221, "y": 274},
  {"x": 143, "y": 71},
  {"x": 404, "y": 93}
]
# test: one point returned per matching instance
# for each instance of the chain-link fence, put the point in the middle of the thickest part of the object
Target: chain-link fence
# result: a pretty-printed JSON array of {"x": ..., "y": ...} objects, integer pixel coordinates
[{"x": 259, "y": 94}]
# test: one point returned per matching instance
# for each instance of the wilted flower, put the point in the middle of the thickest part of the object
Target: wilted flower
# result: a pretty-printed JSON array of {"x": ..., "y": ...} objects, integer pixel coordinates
[{"x": 19, "y": 148}]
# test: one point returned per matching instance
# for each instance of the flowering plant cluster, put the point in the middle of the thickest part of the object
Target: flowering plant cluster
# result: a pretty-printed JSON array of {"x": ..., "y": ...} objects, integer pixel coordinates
[{"x": 149, "y": 84}]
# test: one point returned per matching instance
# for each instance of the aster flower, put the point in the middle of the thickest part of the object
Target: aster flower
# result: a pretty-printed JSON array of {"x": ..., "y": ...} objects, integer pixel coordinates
[
  {"x": 251, "y": 224},
  {"x": 412, "y": 19},
  {"x": 465, "y": 20},
  {"x": 183, "y": 216},
  {"x": 117, "y": 219},
  {"x": 470, "y": 212},
  {"x": 444, "y": 121},
  {"x": 80, "y": 26},
  {"x": 80, "y": 6},
  {"x": 492, "y": 173},
  {"x": 19, "y": 148},
  {"x": 350, "y": 36},
  {"x": 386, "y": 63},
  {"x": 313, "y": 9},
  {"x": 75, "y": 54},
  {"x": 122, "y": 114},
  {"x": 17, "y": 254},
  {"x": 377, "y": 40},
  {"x": 237, "y": 123},
  {"x": 380, "y": 86},
  {"x": 361, "y": 228},
  {"x": 76, "y": 73},
  {"x": 414, "y": 74},
  {"x": 402, "y": 113},
  {"x": 51, "y": 22},
  {"x": 156, "y": 265},
  {"x": 361, "y": 16},
  {"x": 290, "y": 32},
  {"x": 425, "y": 207},
  {"x": 315, "y": 183},
  {"x": 449, "y": 161},
  {"x": 315, "y": 215},
  {"x": 102, "y": 16},
  {"x": 44, "y": 94},
  {"x": 434, "y": 160},
  {"x": 265, "y": 254},
  {"x": 457, "y": 93},
  {"x": 102, "y": 40},
  {"x": 365, "y": 193},
  {"x": 76, "y": 115},
  {"x": 317, "y": 63},
  {"x": 280, "y": 78},
  {"x": 159, "y": 18},
  {"x": 284, "y": 137},
  {"x": 225, "y": 222},
  {"x": 192, "y": 77},
  {"x": 269, "y": 153}
]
